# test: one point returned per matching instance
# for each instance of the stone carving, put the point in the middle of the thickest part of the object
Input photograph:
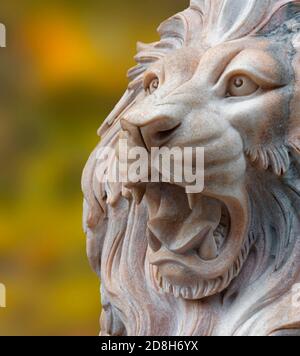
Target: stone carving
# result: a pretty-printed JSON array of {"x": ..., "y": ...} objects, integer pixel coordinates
[{"x": 224, "y": 76}]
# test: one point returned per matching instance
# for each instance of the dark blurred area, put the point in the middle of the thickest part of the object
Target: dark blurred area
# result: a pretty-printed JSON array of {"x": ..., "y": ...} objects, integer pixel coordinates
[{"x": 62, "y": 72}]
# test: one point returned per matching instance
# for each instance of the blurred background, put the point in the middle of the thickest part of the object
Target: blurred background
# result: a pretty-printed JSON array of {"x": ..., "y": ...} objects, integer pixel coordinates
[{"x": 62, "y": 72}]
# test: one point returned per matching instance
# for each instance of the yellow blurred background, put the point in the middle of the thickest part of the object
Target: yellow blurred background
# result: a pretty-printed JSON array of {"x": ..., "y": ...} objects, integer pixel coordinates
[{"x": 61, "y": 74}]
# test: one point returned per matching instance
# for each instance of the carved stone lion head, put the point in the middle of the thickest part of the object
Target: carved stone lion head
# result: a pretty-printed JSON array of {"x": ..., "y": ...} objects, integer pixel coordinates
[{"x": 224, "y": 76}]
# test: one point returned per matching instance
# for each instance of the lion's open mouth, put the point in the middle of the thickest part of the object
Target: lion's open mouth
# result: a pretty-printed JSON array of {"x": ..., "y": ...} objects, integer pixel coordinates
[
  {"x": 186, "y": 224},
  {"x": 196, "y": 242}
]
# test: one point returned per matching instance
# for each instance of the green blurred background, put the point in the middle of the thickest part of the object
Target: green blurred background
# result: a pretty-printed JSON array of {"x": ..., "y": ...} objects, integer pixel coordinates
[{"x": 61, "y": 74}]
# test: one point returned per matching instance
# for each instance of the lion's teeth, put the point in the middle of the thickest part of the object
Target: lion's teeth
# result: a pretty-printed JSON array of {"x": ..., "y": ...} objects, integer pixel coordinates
[
  {"x": 192, "y": 198},
  {"x": 138, "y": 193},
  {"x": 176, "y": 291},
  {"x": 169, "y": 288},
  {"x": 160, "y": 281},
  {"x": 208, "y": 249}
]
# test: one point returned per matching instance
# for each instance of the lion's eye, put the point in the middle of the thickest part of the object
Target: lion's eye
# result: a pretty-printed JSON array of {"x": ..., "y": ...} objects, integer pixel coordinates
[
  {"x": 153, "y": 85},
  {"x": 241, "y": 85}
]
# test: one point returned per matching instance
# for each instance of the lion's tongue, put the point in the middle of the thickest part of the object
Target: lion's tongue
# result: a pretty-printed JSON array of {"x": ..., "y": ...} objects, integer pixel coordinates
[{"x": 177, "y": 226}]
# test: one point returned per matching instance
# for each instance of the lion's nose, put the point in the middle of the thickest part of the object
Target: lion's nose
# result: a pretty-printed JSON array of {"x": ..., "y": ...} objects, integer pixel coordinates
[{"x": 155, "y": 133}]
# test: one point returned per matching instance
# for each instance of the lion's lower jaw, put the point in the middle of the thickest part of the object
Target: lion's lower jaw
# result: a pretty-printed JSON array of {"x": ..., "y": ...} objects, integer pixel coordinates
[{"x": 206, "y": 288}]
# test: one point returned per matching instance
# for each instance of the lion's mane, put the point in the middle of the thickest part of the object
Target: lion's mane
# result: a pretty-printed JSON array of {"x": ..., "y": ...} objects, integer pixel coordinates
[{"x": 259, "y": 300}]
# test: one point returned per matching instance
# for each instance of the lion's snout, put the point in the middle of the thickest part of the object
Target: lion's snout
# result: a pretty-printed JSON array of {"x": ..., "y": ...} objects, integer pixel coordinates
[{"x": 155, "y": 131}]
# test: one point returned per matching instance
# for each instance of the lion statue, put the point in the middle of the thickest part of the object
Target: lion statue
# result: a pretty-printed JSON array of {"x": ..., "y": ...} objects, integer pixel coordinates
[{"x": 225, "y": 76}]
